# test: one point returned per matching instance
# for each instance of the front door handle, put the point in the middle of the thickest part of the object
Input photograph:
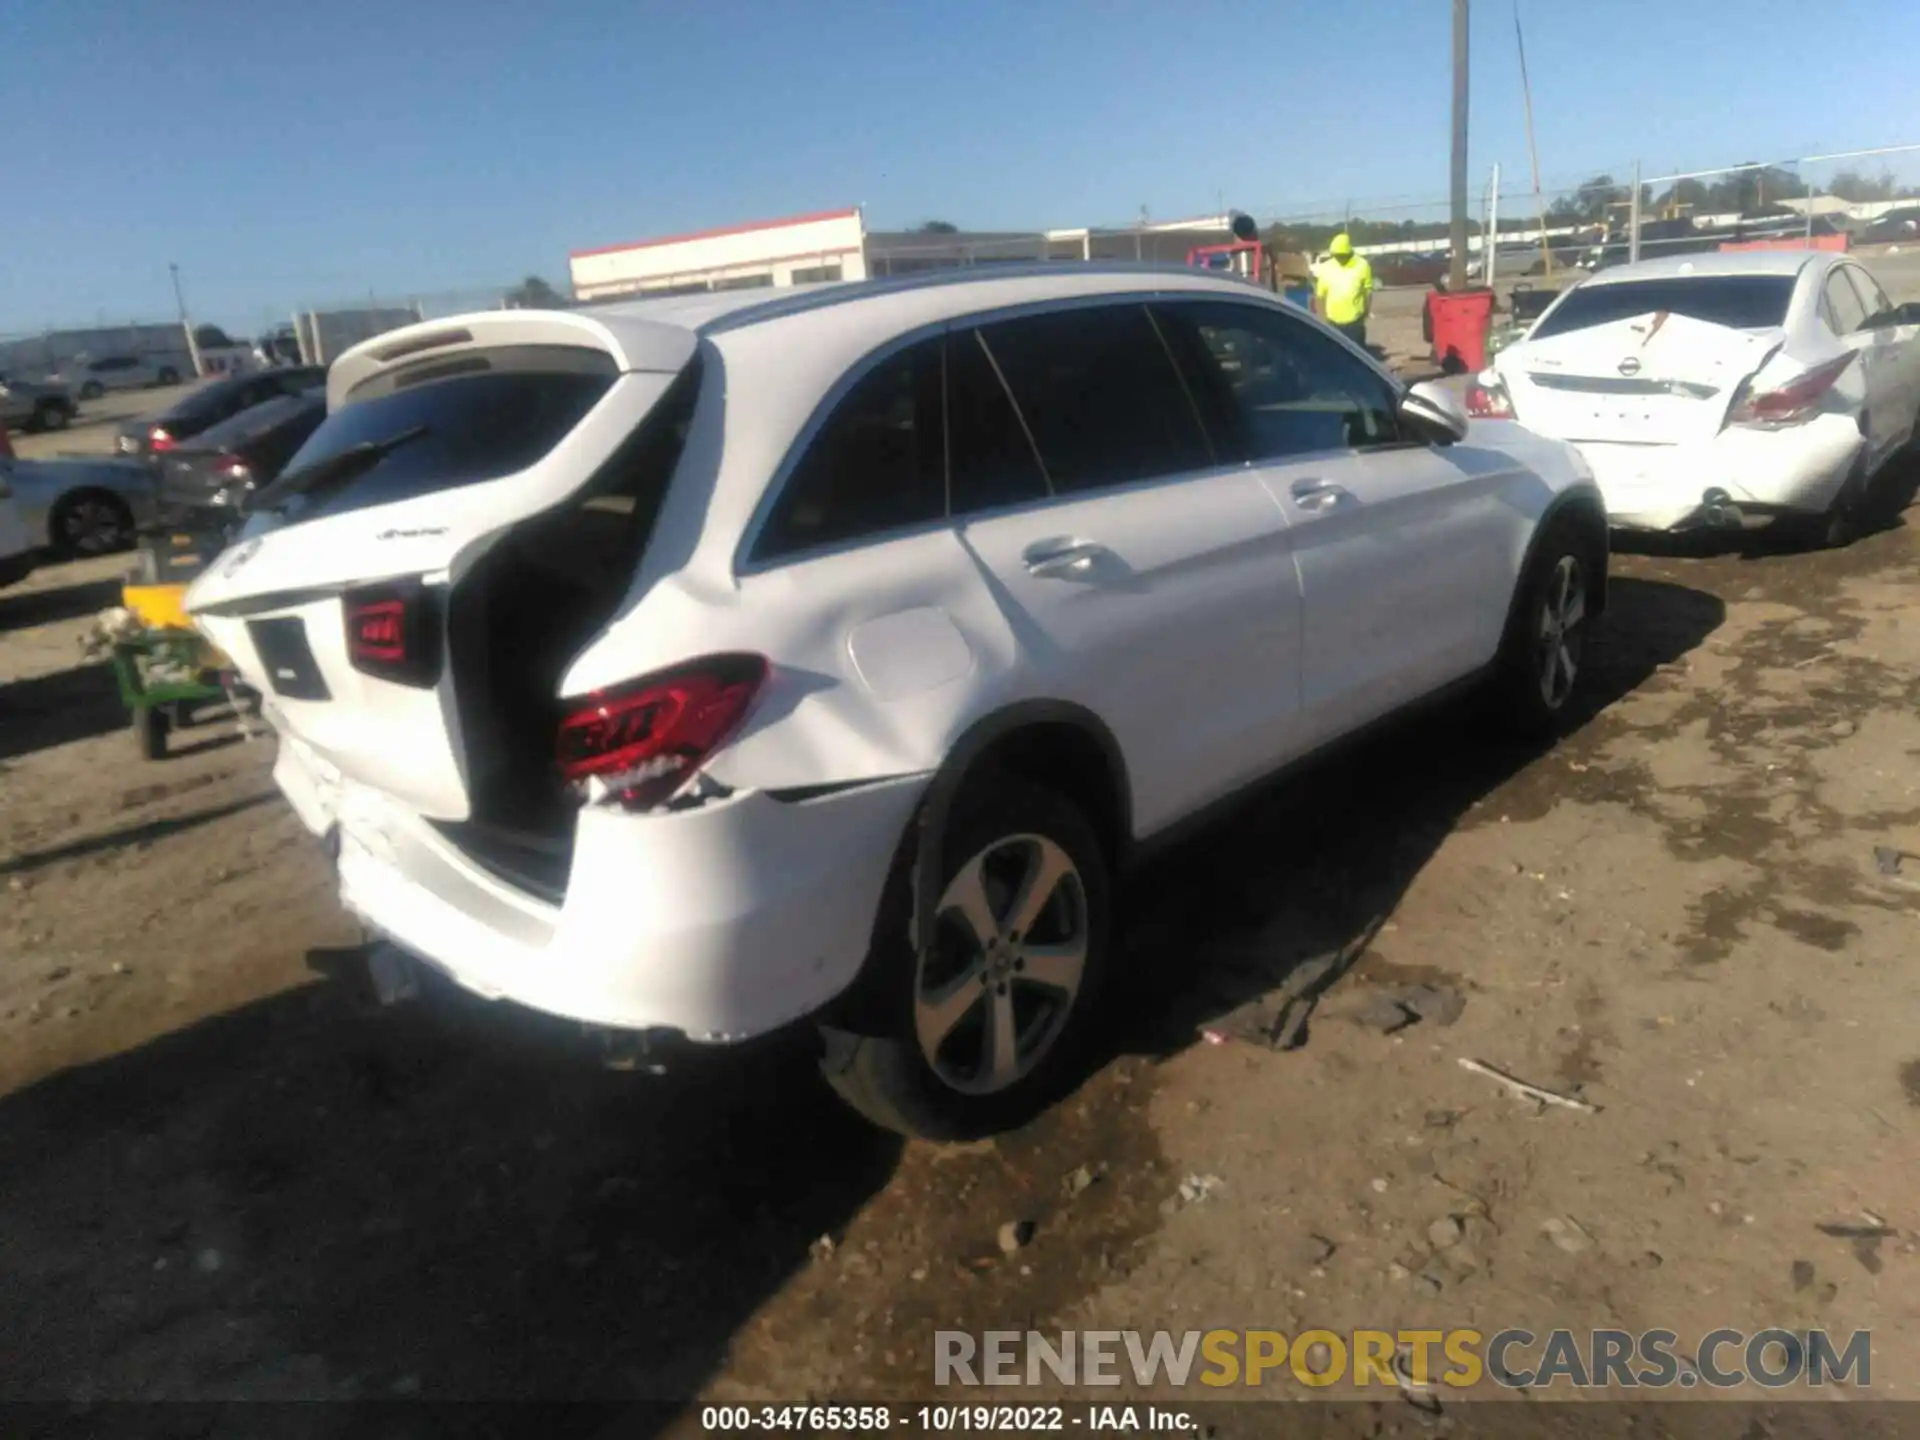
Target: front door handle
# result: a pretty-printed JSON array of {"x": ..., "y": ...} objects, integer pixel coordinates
[
  {"x": 1319, "y": 494},
  {"x": 1062, "y": 557}
]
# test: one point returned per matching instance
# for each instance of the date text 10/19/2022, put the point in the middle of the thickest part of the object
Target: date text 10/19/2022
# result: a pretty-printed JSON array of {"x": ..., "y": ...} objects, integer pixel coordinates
[{"x": 946, "y": 1419}]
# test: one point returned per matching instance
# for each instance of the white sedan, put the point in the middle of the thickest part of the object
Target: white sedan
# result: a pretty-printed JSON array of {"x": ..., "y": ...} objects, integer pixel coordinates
[{"x": 1730, "y": 390}]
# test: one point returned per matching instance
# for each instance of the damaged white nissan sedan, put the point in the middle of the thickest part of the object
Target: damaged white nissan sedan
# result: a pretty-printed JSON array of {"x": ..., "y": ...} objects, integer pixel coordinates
[{"x": 1733, "y": 390}]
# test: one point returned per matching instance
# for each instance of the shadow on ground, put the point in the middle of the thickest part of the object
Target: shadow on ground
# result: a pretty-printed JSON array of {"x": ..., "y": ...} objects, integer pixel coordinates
[
  {"x": 305, "y": 1199},
  {"x": 1297, "y": 883},
  {"x": 57, "y": 709},
  {"x": 27, "y": 608}
]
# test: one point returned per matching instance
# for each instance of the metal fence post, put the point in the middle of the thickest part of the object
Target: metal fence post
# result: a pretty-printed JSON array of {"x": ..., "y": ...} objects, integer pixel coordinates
[
  {"x": 1492, "y": 238},
  {"x": 1633, "y": 216}
]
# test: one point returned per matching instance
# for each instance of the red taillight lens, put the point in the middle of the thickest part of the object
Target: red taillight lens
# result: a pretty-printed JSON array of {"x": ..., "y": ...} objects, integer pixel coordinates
[
  {"x": 1487, "y": 400},
  {"x": 642, "y": 741},
  {"x": 393, "y": 633},
  {"x": 1793, "y": 402},
  {"x": 158, "y": 440}
]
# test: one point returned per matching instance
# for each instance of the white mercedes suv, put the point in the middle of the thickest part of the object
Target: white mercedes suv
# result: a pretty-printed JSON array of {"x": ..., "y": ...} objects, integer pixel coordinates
[{"x": 713, "y": 663}]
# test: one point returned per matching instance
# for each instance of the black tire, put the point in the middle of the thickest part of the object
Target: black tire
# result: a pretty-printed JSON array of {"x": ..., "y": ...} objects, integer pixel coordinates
[
  {"x": 1524, "y": 702},
  {"x": 50, "y": 415},
  {"x": 168, "y": 375},
  {"x": 90, "y": 522},
  {"x": 150, "y": 732},
  {"x": 883, "y": 1070},
  {"x": 92, "y": 390}
]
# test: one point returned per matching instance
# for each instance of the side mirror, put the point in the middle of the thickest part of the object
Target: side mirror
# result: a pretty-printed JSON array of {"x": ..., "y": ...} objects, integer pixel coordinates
[{"x": 1434, "y": 413}]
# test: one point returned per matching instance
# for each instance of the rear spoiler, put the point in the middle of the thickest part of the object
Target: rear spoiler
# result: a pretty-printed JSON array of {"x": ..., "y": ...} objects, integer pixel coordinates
[{"x": 634, "y": 344}]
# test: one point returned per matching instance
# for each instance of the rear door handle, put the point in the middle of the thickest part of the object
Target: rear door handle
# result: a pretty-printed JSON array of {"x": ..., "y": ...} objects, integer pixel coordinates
[
  {"x": 1062, "y": 557},
  {"x": 1319, "y": 494}
]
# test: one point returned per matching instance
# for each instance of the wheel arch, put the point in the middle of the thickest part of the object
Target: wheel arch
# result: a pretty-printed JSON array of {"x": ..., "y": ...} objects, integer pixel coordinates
[
  {"x": 1585, "y": 510},
  {"x": 1055, "y": 743}
]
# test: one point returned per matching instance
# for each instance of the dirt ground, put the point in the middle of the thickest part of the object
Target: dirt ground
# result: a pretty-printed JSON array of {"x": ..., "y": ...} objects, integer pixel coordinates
[{"x": 223, "y": 1175}]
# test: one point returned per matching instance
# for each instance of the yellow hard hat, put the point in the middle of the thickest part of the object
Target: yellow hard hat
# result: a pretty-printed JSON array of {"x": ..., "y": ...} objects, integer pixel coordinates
[{"x": 1342, "y": 245}]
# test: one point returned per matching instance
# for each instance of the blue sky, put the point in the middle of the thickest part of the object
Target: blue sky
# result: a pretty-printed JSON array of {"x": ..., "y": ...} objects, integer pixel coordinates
[{"x": 298, "y": 154}]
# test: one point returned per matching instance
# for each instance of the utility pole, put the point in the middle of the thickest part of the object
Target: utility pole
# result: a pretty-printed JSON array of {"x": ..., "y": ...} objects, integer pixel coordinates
[
  {"x": 1457, "y": 271},
  {"x": 180, "y": 299}
]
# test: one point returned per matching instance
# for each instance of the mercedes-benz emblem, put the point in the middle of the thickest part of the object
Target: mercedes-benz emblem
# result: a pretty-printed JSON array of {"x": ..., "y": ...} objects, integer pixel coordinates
[{"x": 1629, "y": 366}]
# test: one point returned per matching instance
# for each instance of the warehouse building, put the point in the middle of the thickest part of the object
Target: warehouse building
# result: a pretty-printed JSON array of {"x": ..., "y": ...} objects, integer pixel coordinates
[{"x": 836, "y": 245}]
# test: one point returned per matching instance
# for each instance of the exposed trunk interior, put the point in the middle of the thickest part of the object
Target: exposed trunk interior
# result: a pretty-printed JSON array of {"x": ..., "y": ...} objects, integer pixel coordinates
[{"x": 517, "y": 621}]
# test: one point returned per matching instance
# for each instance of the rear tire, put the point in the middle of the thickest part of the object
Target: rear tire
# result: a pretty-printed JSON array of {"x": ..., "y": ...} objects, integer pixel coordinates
[
  {"x": 50, "y": 415},
  {"x": 973, "y": 1038},
  {"x": 1543, "y": 659},
  {"x": 169, "y": 375},
  {"x": 90, "y": 522},
  {"x": 92, "y": 390}
]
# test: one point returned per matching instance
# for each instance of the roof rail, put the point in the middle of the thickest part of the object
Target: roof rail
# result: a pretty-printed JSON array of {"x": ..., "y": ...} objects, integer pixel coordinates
[{"x": 826, "y": 296}]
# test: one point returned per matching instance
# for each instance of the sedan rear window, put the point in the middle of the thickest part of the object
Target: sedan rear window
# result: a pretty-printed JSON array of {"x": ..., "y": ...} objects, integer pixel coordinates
[
  {"x": 1745, "y": 302},
  {"x": 443, "y": 424}
]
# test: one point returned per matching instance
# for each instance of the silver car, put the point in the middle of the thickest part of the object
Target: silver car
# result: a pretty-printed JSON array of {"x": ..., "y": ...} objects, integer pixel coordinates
[
  {"x": 91, "y": 378},
  {"x": 81, "y": 506},
  {"x": 34, "y": 405}
]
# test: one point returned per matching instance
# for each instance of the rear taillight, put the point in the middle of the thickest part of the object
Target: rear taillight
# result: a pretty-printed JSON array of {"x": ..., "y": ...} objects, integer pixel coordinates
[
  {"x": 641, "y": 742},
  {"x": 159, "y": 441},
  {"x": 232, "y": 470},
  {"x": 1487, "y": 398},
  {"x": 1789, "y": 404},
  {"x": 393, "y": 632}
]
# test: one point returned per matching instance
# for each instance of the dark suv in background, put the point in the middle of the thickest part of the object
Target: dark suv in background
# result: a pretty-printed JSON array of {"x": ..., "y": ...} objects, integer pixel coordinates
[{"x": 206, "y": 407}]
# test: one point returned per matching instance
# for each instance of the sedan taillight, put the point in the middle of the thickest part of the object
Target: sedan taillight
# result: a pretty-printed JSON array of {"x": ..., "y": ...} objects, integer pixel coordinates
[
  {"x": 640, "y": 743},
  {"x": 1789, "y": 404},
  {"x": 159, "y": 440},
  {"x": 1487, "y": 398}
]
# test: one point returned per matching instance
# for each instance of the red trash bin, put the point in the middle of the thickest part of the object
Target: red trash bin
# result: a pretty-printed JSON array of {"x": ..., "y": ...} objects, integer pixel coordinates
[{"x": 1460, "y": 320}]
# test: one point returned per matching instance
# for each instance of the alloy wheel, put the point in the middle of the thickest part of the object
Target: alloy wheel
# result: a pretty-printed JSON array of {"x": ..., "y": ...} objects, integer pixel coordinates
[
  {"x": 1561, "y": 636},
  {"x": 93, "y": 525},
  {"x": 994, "y": 990}
]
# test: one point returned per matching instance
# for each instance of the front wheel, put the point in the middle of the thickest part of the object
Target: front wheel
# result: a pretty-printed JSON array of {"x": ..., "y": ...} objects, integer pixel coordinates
[
  {"x": 987, "y": 1024},
  {"x": 169, "y": 375},
  {"x": 1542, "y": 661},
  {"x": 92, "y": 390},
  {"x": 91, "y": 522},
  {"x": 50, "y": 415}
]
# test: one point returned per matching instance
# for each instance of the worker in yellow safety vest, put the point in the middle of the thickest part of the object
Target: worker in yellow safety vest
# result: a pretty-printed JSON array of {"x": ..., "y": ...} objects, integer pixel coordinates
[{"x": 1343, "y": 286}]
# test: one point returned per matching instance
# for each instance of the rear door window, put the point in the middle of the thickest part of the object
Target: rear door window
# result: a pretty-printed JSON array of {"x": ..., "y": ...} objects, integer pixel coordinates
[
  {"x": 1100, "y": 396},
  {"x": 443, "y": 424},
  {"x": 1286, "y": 389},
  {"x": 991, "y": 461},
  {"x": 875, "y": 464}
]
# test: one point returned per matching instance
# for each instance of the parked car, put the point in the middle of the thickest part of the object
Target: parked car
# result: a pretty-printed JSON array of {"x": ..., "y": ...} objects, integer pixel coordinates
[
  {"x": 90, "y": 379},
  {"x": 641, "y": 675},
  {"x": 18, "y": 548},
  {"x": 1722, "y": 390},
  {"x": 1893, "y": 227},
  {"x": 219, "y": 469},
  {"x": 220, "y": 400},
  {"x": 81, "y": 507},
  {"x": 34, "y": 405}
]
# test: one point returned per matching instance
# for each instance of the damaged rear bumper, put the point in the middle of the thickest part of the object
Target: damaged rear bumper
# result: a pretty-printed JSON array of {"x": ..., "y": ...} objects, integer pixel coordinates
[
  {"x": 1738, "y": 479},
  {"x": 719, "y": 922}
]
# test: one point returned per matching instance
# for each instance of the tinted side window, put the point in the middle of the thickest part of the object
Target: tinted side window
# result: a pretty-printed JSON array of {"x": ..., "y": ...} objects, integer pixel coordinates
[
  {"x": 1290, "y": 389},
  {"x": 1844, "y": 310},
  {"x": 876, "y": 464},
  {"x": 1100, "y": 395},
  {"x": 990, "y": 460}
]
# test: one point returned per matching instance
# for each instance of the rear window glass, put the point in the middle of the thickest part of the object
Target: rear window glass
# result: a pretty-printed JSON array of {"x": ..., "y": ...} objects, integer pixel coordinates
[
  {"x": 456, "y": 424},
  {"x": 267, "y": 415},
  {"x": 1745, "y": 302}
]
